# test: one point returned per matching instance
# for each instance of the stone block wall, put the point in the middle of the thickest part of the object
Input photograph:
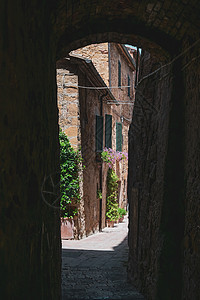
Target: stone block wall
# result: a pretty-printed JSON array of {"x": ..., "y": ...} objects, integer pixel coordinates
[
  {"x": 191, "y": 242},
  {"x": 69, "y": 122},
  {"x": 163, "y": 179},
  {"x": 68, "y": 105},
  {"x": 148, "y": 142},
  {"x": 30, "y": 246}
]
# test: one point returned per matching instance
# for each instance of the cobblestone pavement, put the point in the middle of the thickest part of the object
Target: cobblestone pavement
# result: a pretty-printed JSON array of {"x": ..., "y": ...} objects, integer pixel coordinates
[{"x": 95, "y": 267}]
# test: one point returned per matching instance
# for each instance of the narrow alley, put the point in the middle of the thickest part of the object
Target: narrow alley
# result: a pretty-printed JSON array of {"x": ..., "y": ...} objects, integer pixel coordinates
[{"x": 95, "y": 267}]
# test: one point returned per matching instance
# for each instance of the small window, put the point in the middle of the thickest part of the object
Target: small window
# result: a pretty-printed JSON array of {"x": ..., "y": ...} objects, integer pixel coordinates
[
  {"x": 119, "y": 74},
  {"x": 118, "y": 136},
  {"x": 129, "y": 87},
  {"x": 108, "y": 131},
  {"x": 99, "y": 133}
]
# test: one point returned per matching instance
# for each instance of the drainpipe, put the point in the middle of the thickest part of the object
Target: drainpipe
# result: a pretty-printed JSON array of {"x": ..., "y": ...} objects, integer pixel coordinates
[{"x": 101, "y": 168}]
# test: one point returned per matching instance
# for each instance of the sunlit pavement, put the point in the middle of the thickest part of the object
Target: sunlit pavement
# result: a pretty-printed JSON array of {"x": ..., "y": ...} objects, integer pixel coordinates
[{"x": 95, "y": 267}]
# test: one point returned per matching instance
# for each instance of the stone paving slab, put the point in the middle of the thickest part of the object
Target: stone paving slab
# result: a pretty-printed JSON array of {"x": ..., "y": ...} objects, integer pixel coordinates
[{"x": 95, "y": 267}]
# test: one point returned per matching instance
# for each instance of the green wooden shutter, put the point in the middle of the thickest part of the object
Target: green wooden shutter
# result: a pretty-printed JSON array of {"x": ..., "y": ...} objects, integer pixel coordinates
[
  {"x": 118, "y": 136},
  {"x": 99, "y": 133},
  {"x": 108, "y": 131},
  {"x": 119, "y": 74}
]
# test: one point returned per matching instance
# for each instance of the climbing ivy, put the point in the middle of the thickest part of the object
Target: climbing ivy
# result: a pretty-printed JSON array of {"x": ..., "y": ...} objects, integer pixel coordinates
[{"x": 69, "y": 184}]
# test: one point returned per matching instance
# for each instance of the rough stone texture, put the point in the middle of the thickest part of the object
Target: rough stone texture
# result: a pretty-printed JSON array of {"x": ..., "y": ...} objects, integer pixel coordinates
[
  {"x": 69, "y": 122},
  {"x": 33, "y": 33},
  {"x": 29, "y": 228},
  {"x": 98, "y": 53},
  {"x": 191, "y": 242},
  {"x": 164, "y": 205},
  {"x": 148, "y": 141},
  {"x": 68, "y": 105},
  {"x": 158, "y": 26}
]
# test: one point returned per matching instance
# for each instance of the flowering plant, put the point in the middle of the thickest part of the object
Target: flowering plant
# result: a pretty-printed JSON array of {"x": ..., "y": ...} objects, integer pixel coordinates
[{"x": 110, "y": 156}]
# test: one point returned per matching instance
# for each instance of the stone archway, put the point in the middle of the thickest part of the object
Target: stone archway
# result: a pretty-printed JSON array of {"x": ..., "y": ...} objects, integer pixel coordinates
[{"x": 34, "y": 36}]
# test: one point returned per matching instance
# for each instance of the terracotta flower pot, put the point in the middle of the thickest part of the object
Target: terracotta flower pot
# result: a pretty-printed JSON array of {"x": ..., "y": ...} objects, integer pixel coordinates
[
  {"x": 121, "y": 219},
  {"x": 110, "y": 223},
  {"x": 67, "y": 228}
]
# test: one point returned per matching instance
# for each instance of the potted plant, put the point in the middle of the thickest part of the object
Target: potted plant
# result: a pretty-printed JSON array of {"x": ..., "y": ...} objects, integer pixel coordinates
[
  {"x": 112, "y": 215},
  {"x": 67, "y": 223},
  {"x": 122, "y": 213}
]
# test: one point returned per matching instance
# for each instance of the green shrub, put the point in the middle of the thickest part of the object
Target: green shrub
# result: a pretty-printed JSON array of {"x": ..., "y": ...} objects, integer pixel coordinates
[
  {"x": 111, "y": 196},
  {"x": 122, "y": 212},
  {"x": 69, "y": 183}
]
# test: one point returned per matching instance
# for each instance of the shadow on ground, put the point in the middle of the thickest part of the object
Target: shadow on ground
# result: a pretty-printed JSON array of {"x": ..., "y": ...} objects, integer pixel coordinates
[{"x": 97, "y": 274}]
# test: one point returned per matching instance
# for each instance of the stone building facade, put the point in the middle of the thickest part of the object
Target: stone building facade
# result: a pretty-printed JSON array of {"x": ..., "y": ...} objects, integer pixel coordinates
[{"x": 79, "y": 108}]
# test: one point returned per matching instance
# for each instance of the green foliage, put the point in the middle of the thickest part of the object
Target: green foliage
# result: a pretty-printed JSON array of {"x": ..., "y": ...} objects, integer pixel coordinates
[
  {"x": 99, "y": 194},
  {"x": 69, "y": 184},
  {"x": 111, "y": 197},
  {"x": 122, "y": 212},
  {"x": 112, "y": 214}
]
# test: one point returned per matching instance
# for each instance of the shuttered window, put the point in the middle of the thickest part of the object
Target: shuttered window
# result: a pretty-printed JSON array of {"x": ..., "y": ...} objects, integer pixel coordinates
[
  {"x": 118, "y": 136},
  {"x": 99, "y": 133},
  {"x": 129, "y": 88},
  {"x": 119, "y": 74},
  {"x": 108, "y": 131}
]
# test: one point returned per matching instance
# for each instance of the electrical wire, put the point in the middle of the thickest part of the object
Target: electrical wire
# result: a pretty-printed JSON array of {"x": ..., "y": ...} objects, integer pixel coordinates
[
  {"x": 112, "y": 102},
  {"x": 97, "y": 88}
]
